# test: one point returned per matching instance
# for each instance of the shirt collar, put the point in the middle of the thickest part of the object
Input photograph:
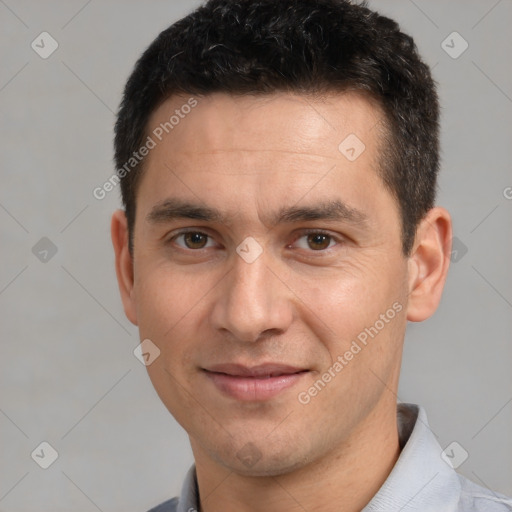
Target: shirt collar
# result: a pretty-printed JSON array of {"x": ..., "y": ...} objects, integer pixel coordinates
[
  {"x": 189, "y": 497},
  {"x": 420, "y": 479}
]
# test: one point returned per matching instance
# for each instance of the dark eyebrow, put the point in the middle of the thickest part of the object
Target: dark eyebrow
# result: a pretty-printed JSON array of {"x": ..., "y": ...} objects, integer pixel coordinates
[
  {"x": 174, "y": 208},
  {"x": 329, "y": 210}
]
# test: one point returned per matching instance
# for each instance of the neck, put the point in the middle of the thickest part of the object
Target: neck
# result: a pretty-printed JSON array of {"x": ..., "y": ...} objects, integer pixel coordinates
[{"x": 345, "y": 479}]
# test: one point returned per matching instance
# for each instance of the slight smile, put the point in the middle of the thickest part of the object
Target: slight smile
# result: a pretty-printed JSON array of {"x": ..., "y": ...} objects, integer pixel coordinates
[{"x": 256, "y": 383}]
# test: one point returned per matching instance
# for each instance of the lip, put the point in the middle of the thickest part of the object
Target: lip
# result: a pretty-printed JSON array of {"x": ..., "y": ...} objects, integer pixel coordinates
[{"x": 255, "y": 383}]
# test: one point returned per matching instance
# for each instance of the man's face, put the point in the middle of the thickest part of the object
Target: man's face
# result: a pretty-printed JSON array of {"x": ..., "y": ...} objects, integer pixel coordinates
[{"x": 251, "y": 307}]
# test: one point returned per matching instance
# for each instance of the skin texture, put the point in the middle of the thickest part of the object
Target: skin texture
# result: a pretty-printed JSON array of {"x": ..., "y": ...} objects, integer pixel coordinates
[{"x": 302, "y": 302}]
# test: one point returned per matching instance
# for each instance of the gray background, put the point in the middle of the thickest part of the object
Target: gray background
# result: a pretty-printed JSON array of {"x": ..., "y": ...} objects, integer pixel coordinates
[{"x": 68, "y": 373}]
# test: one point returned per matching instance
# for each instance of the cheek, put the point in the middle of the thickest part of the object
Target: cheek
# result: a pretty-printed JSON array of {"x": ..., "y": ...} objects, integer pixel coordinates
[
  {"x": 344, "y": 300},
  {"x": 172, "y": 309},
  {"x": 169, "y": 309},
  {"x": 360, "y": 303},
  {"x": 163, "y": 298}
]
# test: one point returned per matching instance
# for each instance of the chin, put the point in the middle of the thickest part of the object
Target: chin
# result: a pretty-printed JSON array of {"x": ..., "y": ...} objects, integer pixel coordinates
[{"x": 270, "y": 462}]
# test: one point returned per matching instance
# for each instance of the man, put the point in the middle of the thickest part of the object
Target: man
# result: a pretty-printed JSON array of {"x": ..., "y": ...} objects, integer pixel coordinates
[{"x": 278, "y": 165}]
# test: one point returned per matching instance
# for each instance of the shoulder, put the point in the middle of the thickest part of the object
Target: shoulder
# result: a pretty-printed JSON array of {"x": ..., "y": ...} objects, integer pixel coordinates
[
  {"x": 167, "y": 506},
  {"x": 480, "y": 499}
]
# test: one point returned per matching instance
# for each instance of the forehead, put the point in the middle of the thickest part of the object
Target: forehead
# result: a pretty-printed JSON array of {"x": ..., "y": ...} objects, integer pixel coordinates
[
  {"x": 253, "y": 153},
  {"x": 283, "y": 122}
]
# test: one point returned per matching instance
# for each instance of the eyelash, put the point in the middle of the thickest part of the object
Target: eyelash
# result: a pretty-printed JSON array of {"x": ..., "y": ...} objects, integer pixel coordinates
[{"x": 302, "y": 234}]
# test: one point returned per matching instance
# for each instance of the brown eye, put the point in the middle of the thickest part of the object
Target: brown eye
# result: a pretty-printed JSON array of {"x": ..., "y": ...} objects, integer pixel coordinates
[
  {"x": 195, "y": 240},
  {"x": 316, "y": 241},
  {"x": 319, "y": 241}
]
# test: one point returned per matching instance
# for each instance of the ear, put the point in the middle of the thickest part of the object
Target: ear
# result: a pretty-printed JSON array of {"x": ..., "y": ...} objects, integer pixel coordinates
[
  {"x": 124, "y": 263},
  {"x": 428, "y": 264}
]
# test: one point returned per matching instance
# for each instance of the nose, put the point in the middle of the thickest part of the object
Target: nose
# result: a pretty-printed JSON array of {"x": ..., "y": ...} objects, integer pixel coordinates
[{"x": 253, "y": 301}]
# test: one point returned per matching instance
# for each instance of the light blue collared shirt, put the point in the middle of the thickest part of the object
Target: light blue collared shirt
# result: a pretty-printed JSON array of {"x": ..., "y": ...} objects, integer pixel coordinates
[{"x": 421, "y": 480}]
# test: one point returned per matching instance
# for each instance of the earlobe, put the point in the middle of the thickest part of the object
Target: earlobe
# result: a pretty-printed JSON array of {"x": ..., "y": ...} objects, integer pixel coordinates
[
  {"x": 124, "y": 263},
  {"x": 428, "y": 264}
]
